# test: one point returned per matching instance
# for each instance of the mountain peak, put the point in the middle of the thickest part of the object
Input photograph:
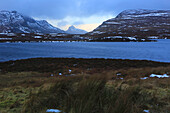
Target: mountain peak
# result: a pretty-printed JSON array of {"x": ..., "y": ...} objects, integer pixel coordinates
[
  {"x": 72, "y": 27},
  {"x": 73, "y": 30}
]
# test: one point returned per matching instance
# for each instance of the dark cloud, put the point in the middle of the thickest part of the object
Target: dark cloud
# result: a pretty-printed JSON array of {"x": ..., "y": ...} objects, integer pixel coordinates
[{"x": 58, "y": 9}]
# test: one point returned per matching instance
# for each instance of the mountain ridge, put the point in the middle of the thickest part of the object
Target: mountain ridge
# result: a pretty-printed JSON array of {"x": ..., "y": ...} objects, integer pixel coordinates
[
  {"x": 139, "y": 22},
  {"x": 12, "y": 21}
]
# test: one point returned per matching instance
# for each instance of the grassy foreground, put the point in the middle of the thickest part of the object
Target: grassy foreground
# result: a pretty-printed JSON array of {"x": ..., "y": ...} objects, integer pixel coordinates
[{"x": 92, "y": 86}]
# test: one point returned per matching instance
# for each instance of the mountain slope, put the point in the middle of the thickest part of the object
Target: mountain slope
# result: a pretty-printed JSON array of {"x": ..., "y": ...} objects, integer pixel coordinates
[
  {"x": 137, "y": 23},
  {"x": 18, "y": 23},
  {"x": 73, "y": 30}
]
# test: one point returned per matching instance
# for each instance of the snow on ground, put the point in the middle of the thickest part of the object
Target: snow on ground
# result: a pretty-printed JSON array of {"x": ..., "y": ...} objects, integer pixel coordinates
[
  {"x": 53, "y": 110},
  {"x": 151, "y": 14},
  {"x": 146, "y": 111},
  {"x": 158, "y": 76},
  {"x": 103, "y": 26},
  {"x": 112, "y": 23},
  {"x": 52, "y": 75},
  {"x": 118, "y": 74},
  {"x": 144, "y": 78},
  {"x": 97, "y": 32},
  {"x": 69, "y": 70},
  {"x": 131, "y": 38}
]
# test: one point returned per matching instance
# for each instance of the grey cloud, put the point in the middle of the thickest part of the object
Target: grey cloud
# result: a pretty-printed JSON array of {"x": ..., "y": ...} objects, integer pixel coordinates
[
  {"x": 62, "y": 23},
  {"x": 59, "y": 9},
  {"x": 78, "y": 23}
]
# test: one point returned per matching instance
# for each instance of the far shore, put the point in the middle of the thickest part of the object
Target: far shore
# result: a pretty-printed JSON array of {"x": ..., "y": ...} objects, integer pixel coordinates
[{"x": 9, "y": 41}]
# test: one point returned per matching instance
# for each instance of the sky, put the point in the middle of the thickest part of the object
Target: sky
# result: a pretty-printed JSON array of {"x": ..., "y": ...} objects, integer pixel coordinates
[{"x": 83, "y": 14}]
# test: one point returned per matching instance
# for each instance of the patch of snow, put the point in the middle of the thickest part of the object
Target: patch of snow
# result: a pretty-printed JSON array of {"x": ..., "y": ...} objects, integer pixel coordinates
[
  {"x": 37, "y": 36},
  {"x": 159, "y": 76},
  {"x": 153, "y": 37},
  {"x": 131, "y": 38},
  {"x": 154, "y": 75},
  {"x": 22, "y": 34},
  {"x": 11, "y": 34},
  {"x": 143, "y": 39},
  {"x": 53, "y": 110},
  {"x": 53, "y": 34},
  {"x": 23, "y": 29},
  {"x": 116, "y": 37},
  {"x": 52, "y": 75},
  {"x": 152, "y": 14},
  {"x": 118, "y": 74},
  {"x": 112, "y": 23},
  {"x": 146, "y": 30},
  {"x": 97, "y": 32},
  {"x": 127, "y": 18},
  {"x": 103, "y": 26},
  {"x": 144, "y": 78},
  {"x": 5, "y": 38},
  {"x": 3, "y": 33},
  {"x": 146, "y": 111}
]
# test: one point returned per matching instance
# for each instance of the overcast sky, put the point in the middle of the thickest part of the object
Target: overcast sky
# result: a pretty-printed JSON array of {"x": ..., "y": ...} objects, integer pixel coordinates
[{"x": 85, "y": 14}]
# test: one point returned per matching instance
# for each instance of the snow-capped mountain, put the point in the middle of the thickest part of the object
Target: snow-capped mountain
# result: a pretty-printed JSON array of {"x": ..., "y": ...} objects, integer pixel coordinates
[
  {"x": 19, "y": 23},
  {"x": 139, "y": 22},
  {"x": 143, "y": 13},
  {"x": 73, "y": 30}
]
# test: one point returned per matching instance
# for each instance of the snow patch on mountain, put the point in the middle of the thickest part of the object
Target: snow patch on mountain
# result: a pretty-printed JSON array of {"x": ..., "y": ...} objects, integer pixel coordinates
[{"x": 143, "y": 13}]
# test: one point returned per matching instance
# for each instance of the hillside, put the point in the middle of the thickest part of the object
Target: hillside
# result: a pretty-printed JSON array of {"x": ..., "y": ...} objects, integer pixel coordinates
[
  {"x": 137, "y": 23},
  {"x": 18, "y": 23}
]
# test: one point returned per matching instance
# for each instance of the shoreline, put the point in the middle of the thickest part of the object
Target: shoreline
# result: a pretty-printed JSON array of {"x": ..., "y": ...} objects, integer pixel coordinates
[
  {"x": 14, "y": 60},
  {"x": 116, "y": 40}
]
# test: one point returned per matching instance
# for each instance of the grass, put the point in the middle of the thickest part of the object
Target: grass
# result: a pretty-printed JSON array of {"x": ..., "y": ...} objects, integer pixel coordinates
[
  {"x": 27, "y": 86},
  {"x": 15, "y": 89},
  {"x": 99, "y": 95},
  {"x": 82, "y": 96}
]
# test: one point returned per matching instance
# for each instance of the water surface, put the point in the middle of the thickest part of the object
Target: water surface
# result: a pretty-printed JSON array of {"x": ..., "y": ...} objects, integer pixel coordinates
[{"x": 155, "y": 51}]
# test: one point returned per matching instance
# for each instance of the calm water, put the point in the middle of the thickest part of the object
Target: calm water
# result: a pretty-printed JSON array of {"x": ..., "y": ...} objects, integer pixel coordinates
[{"x": 156, "y": 51}]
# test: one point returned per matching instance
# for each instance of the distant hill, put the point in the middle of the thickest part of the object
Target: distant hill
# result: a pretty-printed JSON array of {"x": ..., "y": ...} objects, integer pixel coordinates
[
  {"x": 73, "y": 30},
  {"x": 19, "y": 23},
  {"x": 139, "y": 22}
]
